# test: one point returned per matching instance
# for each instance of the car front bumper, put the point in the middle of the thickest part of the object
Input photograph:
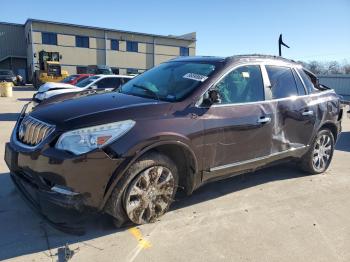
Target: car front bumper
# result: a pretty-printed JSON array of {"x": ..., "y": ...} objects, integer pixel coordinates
[{"x": 73, "y": 182}]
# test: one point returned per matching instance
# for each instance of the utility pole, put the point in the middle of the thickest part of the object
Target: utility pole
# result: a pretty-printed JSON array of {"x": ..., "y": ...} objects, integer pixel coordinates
[{"x": 280, "y": 43}]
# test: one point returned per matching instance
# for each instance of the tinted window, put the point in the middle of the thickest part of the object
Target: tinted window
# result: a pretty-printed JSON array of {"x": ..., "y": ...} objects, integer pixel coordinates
[
  {"x": 244, "y": 84},
  {"x": 87, "y": 81},
  {"x": 114, "y": 44},
  {"x": 132, "y": 46},
  {"x": 82, "y": 78},
  {"x": 108, "y": 83},
  {"x": 282, "y": 81},
  {"x": 306, "y": 79},
  {"x": 300, "y": 86},
  {"x": 115, "y": 70},
  {"x": 82, "y": 41},
  {"x": 171, "y": 81},
  {"x": 49, "y": 38},
  {"x": 69, "y": 78},
  {"x": 184, "y": 51}
]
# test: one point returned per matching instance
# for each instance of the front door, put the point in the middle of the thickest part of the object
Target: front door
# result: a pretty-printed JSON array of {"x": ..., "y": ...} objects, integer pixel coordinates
[{"x": 238, "y": 129}]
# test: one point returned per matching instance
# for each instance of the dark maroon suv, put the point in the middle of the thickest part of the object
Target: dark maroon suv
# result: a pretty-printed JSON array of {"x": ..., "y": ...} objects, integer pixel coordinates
[{"x": 179, "y": 125}]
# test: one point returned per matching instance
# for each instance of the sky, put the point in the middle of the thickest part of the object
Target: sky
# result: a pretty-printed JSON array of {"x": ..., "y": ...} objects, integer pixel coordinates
[{"x": 314, "y": 30}]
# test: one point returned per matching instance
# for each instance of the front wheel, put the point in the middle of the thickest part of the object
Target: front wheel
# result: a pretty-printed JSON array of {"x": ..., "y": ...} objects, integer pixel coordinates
[
  {"x": 145, "y": 192},
  {"x": 320, "y": 154}
]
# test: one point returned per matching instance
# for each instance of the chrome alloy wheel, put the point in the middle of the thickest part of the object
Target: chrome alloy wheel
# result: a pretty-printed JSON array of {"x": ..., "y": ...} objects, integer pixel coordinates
[
  {"x": 322, "y": 152},
  {"x": 149, "y": 195}
]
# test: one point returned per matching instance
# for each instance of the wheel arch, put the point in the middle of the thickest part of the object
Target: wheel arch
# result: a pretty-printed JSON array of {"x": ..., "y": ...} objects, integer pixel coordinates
[
  {"x": 178, "y": 151},
  {"x": 332, "y": 127}
]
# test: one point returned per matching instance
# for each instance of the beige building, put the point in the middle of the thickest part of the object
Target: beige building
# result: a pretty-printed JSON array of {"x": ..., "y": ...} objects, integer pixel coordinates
[{"x": 79, "y": 46}]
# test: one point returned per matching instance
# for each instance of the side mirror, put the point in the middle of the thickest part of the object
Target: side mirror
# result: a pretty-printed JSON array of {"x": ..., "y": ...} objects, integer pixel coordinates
[
  {"x": 93, "y": 87},
  {"x": 213, "y": 98}
]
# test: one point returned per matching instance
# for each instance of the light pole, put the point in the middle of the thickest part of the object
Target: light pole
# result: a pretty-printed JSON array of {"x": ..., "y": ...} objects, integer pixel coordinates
[{"x": 280, "y": 43}]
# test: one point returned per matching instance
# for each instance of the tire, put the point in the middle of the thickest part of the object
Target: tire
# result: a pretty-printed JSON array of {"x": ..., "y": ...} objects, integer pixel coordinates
[
  {"x": 320, "y": 153},
  {"x": 137, "y": 197}
]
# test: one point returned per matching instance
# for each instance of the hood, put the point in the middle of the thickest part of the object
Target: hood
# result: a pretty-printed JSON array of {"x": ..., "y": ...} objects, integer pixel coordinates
[
  {"x": 50, "y": 85},
  {"x": 80, "y": 110}
]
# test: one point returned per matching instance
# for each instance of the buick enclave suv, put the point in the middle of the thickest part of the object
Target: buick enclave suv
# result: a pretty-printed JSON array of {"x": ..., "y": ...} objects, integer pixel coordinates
[{"x": 179, "y": 125}]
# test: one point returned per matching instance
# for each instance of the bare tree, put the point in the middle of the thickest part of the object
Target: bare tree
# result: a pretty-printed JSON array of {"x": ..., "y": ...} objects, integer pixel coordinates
[
  {"x": 346, "y": 69},
  {"x": 333, "y": 67},
  {"x": 315, "y": 67}
]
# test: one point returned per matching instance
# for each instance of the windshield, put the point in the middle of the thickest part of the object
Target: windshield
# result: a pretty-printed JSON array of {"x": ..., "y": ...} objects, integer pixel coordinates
[
  {"x": 6, "y": 73},
  {"x": 87, "y": 81},
  {"x": 172, "y": 81},
  {"x": 69, "y": 79}
]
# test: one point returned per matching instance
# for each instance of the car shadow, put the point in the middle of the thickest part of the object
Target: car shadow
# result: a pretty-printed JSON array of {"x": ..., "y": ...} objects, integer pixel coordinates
[
  {"x": 237, "y": 183},
  {"x": 9, "y": 116},
  {"x": 24, "y": 232},
  {"x": 343, "y": 143}
]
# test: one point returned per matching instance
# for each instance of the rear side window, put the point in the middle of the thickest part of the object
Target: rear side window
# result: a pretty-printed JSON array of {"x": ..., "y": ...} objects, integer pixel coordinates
[
  {"x": 109, "y": 83},
  {"x": 243, "y": 84},
  {"x": 306, "y": 79},
  {"x": 282, "y": 82}
]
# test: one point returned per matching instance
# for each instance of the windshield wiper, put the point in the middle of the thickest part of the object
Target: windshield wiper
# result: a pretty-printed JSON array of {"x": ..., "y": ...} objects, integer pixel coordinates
[{"x": 147, "y": 90}]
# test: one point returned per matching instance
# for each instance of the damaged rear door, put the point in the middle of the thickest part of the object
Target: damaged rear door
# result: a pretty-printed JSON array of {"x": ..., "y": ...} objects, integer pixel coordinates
[{"x": 295, "y": 116}]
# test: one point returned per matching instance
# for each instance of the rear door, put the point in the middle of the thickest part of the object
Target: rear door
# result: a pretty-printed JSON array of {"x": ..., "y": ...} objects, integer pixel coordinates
[
  {"x": 238, "y": 129},
  {"x": 294, "y": 114}
]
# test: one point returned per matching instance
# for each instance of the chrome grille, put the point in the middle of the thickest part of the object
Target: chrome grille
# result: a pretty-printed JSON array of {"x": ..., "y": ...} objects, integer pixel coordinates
[{"x": 32, "y": 131}]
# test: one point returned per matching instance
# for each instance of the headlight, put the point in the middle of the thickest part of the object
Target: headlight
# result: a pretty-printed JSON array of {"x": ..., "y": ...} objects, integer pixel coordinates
[
  {"x": 83, "y": 140},
  {"x": 40, "y": 96}
]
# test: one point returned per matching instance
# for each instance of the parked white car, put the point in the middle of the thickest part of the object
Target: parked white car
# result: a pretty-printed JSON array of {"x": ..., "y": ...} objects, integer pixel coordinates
[{"x": 105, "y": 82}]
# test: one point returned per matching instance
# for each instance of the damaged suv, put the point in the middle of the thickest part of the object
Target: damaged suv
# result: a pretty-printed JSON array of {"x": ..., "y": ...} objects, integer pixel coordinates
[{"x": 179, "y": 125}]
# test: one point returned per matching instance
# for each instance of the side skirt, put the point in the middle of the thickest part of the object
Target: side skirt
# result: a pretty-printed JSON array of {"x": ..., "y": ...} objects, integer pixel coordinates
[{"x": 237, "y": 168}]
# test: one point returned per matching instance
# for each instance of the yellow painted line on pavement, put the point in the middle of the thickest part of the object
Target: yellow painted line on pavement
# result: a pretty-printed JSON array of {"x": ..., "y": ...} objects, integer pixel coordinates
[{"x": 143, "y": 243}]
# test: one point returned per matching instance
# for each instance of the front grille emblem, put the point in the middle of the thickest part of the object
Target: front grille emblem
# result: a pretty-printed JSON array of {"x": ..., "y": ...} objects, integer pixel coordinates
[{"x": 32, "y": 131}]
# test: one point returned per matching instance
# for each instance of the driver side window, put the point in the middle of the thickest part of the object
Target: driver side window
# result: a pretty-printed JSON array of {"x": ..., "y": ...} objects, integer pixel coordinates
[{"x": 241, "y": 85}]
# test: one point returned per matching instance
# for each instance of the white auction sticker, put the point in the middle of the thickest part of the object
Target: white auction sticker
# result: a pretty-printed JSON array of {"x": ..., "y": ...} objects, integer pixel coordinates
[{"x": 195, "y": 77}]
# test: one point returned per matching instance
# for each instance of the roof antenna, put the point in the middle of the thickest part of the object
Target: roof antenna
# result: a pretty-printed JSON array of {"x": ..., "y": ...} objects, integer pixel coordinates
[{"x": 280, "y": 43}]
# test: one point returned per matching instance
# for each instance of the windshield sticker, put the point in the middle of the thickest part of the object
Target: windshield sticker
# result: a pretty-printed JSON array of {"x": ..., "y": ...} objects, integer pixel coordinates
[{"x": 195, "y": 77}]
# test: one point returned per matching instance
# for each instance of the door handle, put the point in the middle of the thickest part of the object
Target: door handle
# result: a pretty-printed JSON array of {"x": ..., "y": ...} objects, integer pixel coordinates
[
  {"x": 264, "y": 120},
  {"x": 308, "y": 113}
]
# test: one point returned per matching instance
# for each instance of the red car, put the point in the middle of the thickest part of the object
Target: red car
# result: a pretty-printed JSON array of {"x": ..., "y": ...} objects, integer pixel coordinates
[{"x": 75, "y": 79}]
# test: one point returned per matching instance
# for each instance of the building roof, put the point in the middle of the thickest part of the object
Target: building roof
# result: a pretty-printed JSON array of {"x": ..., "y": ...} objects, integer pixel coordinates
[{"x": 188, "y": 37}]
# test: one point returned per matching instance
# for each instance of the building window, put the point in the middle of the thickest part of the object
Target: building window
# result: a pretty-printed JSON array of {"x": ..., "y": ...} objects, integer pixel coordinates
[
  {"x": 82, "y": 41},
  {"x": 132, "y": 46},
  {"x": 49, "y": 38},
  {"x": 114, "y": 44},
  {"x": 184, "y": 51},
  {"x": 132, "y": 71}
]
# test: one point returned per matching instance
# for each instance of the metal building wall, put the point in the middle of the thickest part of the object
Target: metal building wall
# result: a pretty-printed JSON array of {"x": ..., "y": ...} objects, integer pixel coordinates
[
  {"x": 340, "y": 83},
  {"x": 12, "y": 41}
]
